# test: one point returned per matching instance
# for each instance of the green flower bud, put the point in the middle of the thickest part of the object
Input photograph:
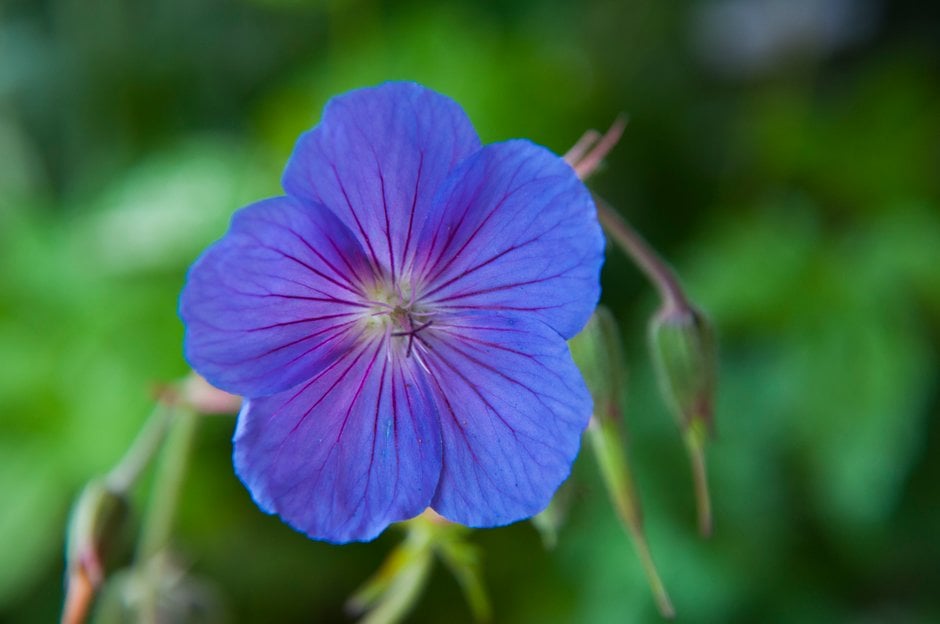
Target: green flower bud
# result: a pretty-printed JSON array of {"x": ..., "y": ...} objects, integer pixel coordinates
[
  {"x": 598, "y": 354},
  {"x": 158, "y": 590},
  {"x": 597, "y": 351},
  {"x": 94, "y": 526},
  {"x": 685, "y": 356},
  {"x": 550, "y": 520},
  {"x": 94, "y": 530},
  {"x": 683, "y": 346}
]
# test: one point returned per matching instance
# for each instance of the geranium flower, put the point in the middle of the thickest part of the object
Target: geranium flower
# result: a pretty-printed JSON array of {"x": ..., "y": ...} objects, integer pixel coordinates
[{"x": 397, "y": 321}]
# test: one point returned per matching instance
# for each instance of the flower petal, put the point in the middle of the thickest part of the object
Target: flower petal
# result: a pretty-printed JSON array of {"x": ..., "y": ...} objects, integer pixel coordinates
[
  {"x": 517, "y": 232},
  {"x": 377, "y": 158},
  {"x": 512, "y": 406},
  {"x": 275, "y": 300},
  {"x": 347, "y": 453}
]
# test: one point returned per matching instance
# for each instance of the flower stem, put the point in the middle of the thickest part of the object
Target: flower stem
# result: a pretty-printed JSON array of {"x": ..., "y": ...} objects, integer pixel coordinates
[
  {"x": 607, "y": 440},
  {"x": 696, "y": 452},
  {"x": 585, "y": 158},
  {"x": 580, "y": 149},
  {"x": 173, "y": 462},
  {"x": 656, "y": 584},
  {"x": 158, "y": 522},
  {"x": 125, "y": 473},
  {"x": 78, "y": 599},
  {"x": 653, "y": 266},
  {"x": 81, "y": 586},
  {"x": 588, "y": 153},
  {"x": 674, "y": 302}
]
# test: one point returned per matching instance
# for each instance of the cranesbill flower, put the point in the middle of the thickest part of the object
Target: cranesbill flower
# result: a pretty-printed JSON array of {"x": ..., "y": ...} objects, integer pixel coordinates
[{"x": 397, "y": 321}]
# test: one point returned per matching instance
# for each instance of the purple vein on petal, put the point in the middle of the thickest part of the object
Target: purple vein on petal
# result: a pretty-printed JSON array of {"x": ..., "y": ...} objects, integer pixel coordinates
[
  {"x": 352, "y": 211},
  {"x": 323, "y": 317},
  {"x": 496, "y": 371},
  {"x": 342, "y": 256},
  {"x": 264, "y": 373},
  {"x": 375, "y": 424},
  {"x": 485, "y": 291},
  {"x": 411, "y": 213},
  {"x": 448, "y": 329},
  {"x": 326, "y": 299},
  {"x": 470, "y": 205},
  {"x": 282, "y": 278},
  {"x": 348, "y": 285},
  {"x": 312, "y": 319},
  {"x": 511, "y": 248},
  {"x": 442, "y": 395},
  {"x": 388, "y": 225},
  {"x": 356, "y": 396},
  {"x": 354, "y": 509},
  {"x": 355, "y": 355},
  {"x": 514, "y": 247},
  {"x": 395, "y": 419},
  {"x": 519, "y": 404},
  {"x": 457, "y": 254},
  {"x": 472, "y": 342},
  {"x": 499, "y": 308},
  {"x": 342, "y": 326},
  {"x": 340, "y": 330},
  {"x": 306, "y": 265},
  {"x": 432, "y": 256},
  {"x": 478, "y": 266}
]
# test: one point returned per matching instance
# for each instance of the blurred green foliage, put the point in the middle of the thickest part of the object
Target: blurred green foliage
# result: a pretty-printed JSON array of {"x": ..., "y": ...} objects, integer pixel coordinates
[{"x": 800, "y": 201}]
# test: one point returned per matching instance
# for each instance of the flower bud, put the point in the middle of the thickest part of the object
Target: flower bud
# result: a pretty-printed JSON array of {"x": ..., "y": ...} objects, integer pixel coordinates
[
  {"x": 161, "y": 589},
  {"x": 94, "y": 529},
  {"x": 598, "y": 353},
  {"x": 549, "y": 521},
  {"x": 683, "y": 346},
  {"x": 685, "y": 357}
]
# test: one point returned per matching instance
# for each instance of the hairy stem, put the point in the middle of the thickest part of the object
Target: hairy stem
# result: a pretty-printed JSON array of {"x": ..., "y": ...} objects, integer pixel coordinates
[
  {"x": 653, "y": 266},
  {"x": 126, "y": 472},
  {"x": 158, "y": 522}
]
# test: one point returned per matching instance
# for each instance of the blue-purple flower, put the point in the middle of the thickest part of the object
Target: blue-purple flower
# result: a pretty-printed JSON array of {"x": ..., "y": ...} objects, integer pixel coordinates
[{"x": 397, "y": 321}]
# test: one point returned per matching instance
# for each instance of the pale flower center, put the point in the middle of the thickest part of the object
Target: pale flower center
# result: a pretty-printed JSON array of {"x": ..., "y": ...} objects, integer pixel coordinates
[{"x": 393, "y": 312}]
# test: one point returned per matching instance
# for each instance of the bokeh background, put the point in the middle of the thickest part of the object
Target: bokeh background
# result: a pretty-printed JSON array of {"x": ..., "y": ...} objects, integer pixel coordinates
[{"x": 783, "y": 154}]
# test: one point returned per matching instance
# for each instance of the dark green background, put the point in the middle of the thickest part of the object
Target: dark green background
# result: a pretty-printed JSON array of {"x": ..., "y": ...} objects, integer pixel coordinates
[{"x": 798, "y": 194}]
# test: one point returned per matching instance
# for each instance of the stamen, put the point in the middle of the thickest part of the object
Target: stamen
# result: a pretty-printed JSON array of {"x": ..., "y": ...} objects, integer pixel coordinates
[
  {"x": 412, "y": 333},
  {"x": 421, "y": 362}
]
